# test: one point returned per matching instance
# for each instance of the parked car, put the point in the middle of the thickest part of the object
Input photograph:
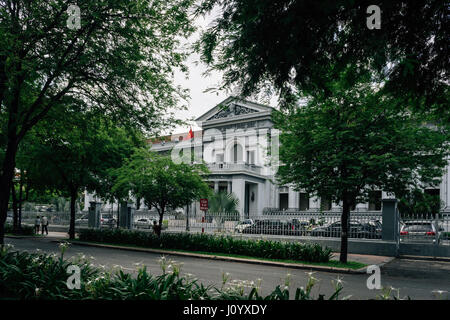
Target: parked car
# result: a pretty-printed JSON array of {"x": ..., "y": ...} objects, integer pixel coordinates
[
  {"x": 83, "y": 220},
  {"x": 419, "y": 231},
  {"x": 275, "y": 227},
  {"x": 107, "y": 220},
  {"x": 356, "y": 230},
  {"x": 143, "y": 223},
  {"x": 242, "y": 225}
]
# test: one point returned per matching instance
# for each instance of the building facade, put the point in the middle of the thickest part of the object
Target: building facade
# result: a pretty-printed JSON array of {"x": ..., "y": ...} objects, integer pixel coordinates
[{"x": 240, "y": 146}]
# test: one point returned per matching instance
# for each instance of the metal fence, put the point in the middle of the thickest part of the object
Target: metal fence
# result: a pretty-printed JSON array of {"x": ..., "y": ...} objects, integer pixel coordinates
[
  {"x": 307, "y": 224},
  {"x": 425, "y": 228}
]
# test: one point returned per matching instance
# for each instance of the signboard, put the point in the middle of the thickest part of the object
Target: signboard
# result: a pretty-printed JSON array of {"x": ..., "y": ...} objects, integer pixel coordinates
[{"x": 203, "y": 204}]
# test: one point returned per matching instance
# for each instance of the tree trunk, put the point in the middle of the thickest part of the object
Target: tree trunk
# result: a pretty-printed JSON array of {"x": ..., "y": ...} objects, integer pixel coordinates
[
  {"x": 159, "y": 228},
  {"x": 6, "y": 180},
  {"x": 73, "y": 199},
  {"x": 19, "y": 216},
  {"x": 14, "y": 207},
  {"x": 344, "y": 229},
  {"x": 21, "y": 201},
  {"x": 118, "y": 213}
]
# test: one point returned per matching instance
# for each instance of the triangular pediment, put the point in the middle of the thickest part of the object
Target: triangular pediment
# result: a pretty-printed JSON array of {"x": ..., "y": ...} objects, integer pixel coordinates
[
  {"x": 233, "y": 107},
  {"x": 232, "y": 110}
]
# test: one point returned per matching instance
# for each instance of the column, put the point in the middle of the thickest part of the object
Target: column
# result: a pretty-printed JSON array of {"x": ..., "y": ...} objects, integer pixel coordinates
[
  {"x": 293, "y": 199},
  {"x": 229, "y": 189},
  {"x": 239, "y": 191},
  {"x": 216, "y": 186}
]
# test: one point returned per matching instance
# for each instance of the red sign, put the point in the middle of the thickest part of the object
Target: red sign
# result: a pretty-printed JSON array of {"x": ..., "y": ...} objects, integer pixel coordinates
[{"x": 203, "y": 204}]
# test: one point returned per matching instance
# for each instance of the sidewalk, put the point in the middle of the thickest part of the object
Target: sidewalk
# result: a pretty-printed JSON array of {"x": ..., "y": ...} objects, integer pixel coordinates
[{"x": 365, "y": 258}]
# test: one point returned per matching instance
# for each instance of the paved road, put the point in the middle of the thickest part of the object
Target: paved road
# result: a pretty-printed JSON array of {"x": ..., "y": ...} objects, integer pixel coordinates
[{"x": 413, "y": 278}]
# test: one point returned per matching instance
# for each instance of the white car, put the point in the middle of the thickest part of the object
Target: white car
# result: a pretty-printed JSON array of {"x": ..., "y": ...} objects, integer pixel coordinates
[
  {"x": 243, "y": 224},
  {"x": 143, "y": 223}
]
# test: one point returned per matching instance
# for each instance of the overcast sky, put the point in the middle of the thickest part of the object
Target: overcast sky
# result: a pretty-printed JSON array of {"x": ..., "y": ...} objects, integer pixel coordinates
[{"x": 197, "y": 83}]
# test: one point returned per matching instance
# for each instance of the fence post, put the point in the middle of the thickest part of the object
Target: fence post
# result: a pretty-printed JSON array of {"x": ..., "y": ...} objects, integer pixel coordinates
[
  {"x": 126, "y": 215},
  {"x": 94, "y": 215},
  {"x": 390, "y": 222},
  {"x": 187, "y": 218}
]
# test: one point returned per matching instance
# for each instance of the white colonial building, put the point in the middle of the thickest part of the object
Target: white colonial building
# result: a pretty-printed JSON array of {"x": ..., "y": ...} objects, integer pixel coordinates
[{"x": 240, "y": 146}]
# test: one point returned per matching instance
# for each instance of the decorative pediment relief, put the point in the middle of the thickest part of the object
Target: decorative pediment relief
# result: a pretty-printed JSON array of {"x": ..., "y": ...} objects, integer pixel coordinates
[{"x": 231, "y": 110}]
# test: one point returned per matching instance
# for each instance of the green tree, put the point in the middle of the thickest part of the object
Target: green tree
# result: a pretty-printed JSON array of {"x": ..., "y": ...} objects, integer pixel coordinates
[
  {"x": 419, "y": 204},
  {"x": 293, "y": 43},
  {"x": 75, "y": 154},
  {"x": 161, "y": 183},
  {"x": 120, "y": 63},
  {"x": 357, "y": 140}
]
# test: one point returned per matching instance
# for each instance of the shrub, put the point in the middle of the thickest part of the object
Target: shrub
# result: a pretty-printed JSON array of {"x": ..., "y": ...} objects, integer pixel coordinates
[
  {"x": 24, "y": 230},
  {"x": 211, "y": 243}
]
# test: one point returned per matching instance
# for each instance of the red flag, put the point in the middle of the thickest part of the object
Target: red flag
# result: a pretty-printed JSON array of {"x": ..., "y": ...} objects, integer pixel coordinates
[{"x": 191, "y": 134}]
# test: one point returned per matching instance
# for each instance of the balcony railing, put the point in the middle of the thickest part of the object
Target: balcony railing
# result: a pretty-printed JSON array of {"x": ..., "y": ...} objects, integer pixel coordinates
[{"x": 228, "y": 167}]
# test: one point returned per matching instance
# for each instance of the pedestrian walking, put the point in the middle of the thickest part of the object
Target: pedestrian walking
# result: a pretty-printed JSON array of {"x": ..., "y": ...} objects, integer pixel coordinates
[
  {"x": 44, "y": 224},
  {"x": 37, "y": 223}
]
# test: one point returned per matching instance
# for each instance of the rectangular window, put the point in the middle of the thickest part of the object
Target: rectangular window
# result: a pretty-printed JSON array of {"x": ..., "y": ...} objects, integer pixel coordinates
[
  {"x": 251, "y": 157},
  {"x": 284, "y": 201},
  {"x": 304, "y": 201},
  {"x": 433, "y": 192}
]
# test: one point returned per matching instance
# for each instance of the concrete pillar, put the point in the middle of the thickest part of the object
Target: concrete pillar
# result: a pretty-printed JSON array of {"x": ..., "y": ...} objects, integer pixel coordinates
[
  {"x": 94, "y": 215},
  {"x": 262, "y": 198},
  {"x": 216, "y": 186},
  {"x": 229, "y": 189},
  {"x": 126, "y": 215},
  {"x": 390, "y": 230},
  {"x": 239, "y": 191},
  {"x": 293, "y": 200}
]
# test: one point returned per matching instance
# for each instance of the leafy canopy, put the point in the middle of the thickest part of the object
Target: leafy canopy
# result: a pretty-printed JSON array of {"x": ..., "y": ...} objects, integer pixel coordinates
[
  {"x": 357, "y": 140},
  {"x": 160, "y": 182},
  {"x": 295, "y": 44}
]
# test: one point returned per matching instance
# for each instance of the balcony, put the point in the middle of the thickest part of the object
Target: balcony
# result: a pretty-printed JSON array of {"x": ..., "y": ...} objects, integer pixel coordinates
[{"x": 234, "y": 167}]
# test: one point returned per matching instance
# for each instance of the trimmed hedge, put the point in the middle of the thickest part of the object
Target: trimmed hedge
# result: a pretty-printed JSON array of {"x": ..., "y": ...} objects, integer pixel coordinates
[
  {"x": 211, "y": 243},
  {"x": 24, "y": 231}
]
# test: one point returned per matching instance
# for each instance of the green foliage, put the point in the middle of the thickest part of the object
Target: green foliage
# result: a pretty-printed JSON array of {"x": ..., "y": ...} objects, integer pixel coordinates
[
  {"x": 24, "y": 230},
  {"x": 223, "y": 202},
  {"x": 35, "y": 276},
  {"x": 303, "y": 44},
  {"x": 357, "y": 140},
  {"x": 210, "y": 243},
  {"x": 160, "y": 182},
  {"x": 119, "y": 64},
  {"x": 222, "y": 206},
  {"x": 416, "y": 203}
]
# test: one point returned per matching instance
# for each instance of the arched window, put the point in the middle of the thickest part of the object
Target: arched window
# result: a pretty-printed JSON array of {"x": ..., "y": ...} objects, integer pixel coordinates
[{"x": 236, "y": 153}]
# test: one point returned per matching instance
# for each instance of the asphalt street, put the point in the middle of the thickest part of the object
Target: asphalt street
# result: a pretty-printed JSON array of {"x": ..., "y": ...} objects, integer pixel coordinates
[{"x": 414, "y": 278}]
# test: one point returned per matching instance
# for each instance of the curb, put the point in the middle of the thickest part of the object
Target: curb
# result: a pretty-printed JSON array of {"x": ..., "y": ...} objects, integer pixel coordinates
[
  {"x": 224, "y": 258},
  {"x": 22, "y": 237},
  {"x": 424, "y": 258}
]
